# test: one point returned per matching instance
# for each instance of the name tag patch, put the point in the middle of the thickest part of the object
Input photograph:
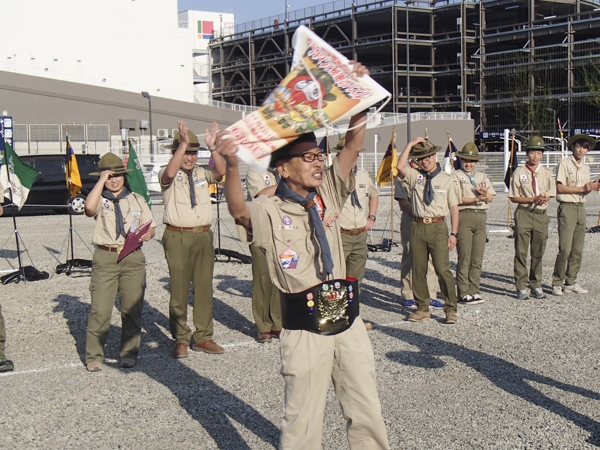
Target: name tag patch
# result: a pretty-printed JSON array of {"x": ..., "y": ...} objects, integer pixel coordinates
[
  {"x": 329, "y": 220},
  {"x": 439, "y": 190},
  {"x": 289, "y": 259},
  {"x": 200, "y": 182}
]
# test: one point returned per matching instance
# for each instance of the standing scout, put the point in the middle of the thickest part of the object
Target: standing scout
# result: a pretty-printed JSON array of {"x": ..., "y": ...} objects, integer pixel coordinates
[
  {"x": 266, "y": 307},
  {"x": 572, "y": 184},
  {"x": 6, "y": 365},
  {"x": 475, "y": 192},
  {"x": 323, "y": 337},
  {"x": 117, "y": 212},
  {"x": 406, "y": 220},
  {"x": 434, "y": 196},
  {"x": 188, "y": 240},
  {"x": 531, "y": 188},
  {"x": 357, "y": 217}
]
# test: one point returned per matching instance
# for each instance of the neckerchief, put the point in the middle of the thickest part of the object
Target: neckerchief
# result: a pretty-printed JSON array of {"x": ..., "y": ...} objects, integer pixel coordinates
[
  {"x": 284, "y": 191},
  {"x": 578, "y": 166},
  {"x": 275, "y": 174},
  {"x": 428, "y": 193},
  {"x": 118, "y": 214},
  {"x": 190, "y": 175},
  {"x": 354, "y": 195},
  {"x": 472, "y": 178},
  {"x": 533, "y": 178}
]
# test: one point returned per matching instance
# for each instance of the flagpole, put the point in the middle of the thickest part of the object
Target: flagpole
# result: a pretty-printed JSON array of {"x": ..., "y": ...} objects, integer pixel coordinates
[
  {"x": 393, "y": 183},
  {"x": 69, "y": 210},
  {"x": 510, "y": 164}
]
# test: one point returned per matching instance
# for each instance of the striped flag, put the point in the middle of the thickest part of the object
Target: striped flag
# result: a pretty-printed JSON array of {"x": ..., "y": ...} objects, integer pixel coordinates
[{"x": 72, "y": 173}]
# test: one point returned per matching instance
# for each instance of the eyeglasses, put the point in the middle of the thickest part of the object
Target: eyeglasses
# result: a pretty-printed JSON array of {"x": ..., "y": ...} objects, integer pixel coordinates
[
  {"x": 309, "y": 156},
  {"x": 423, "y": 158}
]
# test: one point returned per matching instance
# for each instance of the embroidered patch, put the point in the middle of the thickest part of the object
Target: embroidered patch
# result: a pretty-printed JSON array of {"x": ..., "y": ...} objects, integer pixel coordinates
[
  {"x": 571, "y": 170},
  {"x": 287, "y": 220},
  {"x": 200, "y": 182},
  {"x": 419, "y": 179},
  {"x": 267, "y": 180},
  {"x": 310, "y": 296},
  {"x": 289, "y": 259},
  {"x": 463, "y": 179},
  {"x": 439, "y": 190},
  {"x": 329, "y": 220},
  {"x": 572, "y": 184},
  {"x": 179, "y": 176},
  {"x": 287, "y": 227},
  {"x": 523, "y": 179},
  {"x": 106, "y": 203},
  {"x": 362, "y": 186}
]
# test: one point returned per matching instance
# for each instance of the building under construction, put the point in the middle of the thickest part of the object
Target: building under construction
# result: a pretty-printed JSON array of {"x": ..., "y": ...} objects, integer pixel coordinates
[{"x": 513, "y": 64}]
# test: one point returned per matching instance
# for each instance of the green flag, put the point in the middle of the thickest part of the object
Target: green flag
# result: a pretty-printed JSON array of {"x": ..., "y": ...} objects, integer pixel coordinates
[
  {"x": 16, "y": 177},
  {"x": 135, "y": 179}
]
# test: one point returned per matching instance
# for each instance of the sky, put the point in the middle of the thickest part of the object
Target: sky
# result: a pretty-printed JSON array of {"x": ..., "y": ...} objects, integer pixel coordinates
[{"x": 248, "y": 10}]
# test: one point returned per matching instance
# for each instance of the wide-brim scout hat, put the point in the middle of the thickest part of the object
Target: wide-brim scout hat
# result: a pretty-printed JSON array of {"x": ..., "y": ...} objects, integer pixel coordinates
[
  {"x": 423, "y": 150},
  {"x": 110, "y": 161},
  {"x": 582, "y": 137},
  {"x": 194, "y": 144},
  {"x": 535, "y": 143},
  {"x": 305, "y": 142},
  {"x": 341, "y": 144},
  {"x": 470, "y": 151}
]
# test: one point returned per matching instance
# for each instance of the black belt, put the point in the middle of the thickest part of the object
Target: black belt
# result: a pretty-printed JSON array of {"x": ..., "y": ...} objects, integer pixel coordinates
[
  {"x": 327, "y": 308},
  {"x": 534, "y": 211},
  {"x": 476, "y": 211}
]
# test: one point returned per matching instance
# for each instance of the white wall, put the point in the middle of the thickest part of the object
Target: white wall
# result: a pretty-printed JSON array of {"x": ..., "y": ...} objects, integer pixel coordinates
[{"x": 133, "y": 45}]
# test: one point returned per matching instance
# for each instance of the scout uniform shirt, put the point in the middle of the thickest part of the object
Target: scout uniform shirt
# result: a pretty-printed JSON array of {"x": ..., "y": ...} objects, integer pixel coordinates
[
  {"x": 283, "y": 229},
  {"x": 467, "y": 190},
  {"x": 569, "y": 173},
  {"x": 521, "y": 185},
  {"x": 178, "y": 206},
  {"x": 445, "y": 193},
  {"x": 352, "y": 217},
  {"x": 257, "y": 181},
  {"x": 135, "y": 213}
]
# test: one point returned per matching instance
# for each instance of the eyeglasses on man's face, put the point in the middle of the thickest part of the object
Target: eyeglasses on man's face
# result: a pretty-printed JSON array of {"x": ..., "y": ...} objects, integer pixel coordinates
[
  {"x": 424, "y": 158},
  {"x": 309, "y": 156}
]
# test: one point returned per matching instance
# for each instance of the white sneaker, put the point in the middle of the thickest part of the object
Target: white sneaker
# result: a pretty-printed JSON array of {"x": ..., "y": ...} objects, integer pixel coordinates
[
  {"x": 557, "y": 290},
  {"x": 575, "y": 289}
]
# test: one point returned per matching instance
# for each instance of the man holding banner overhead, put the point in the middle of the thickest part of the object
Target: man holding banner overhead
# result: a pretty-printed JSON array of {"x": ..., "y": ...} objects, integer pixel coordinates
[{"x": 323, "y": 336}]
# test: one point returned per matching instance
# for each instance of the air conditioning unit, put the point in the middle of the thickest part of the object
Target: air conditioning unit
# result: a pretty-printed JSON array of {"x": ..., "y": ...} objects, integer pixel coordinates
[
  {"x": 174, "y": 131},
  {"x": 162, "y": 133}
]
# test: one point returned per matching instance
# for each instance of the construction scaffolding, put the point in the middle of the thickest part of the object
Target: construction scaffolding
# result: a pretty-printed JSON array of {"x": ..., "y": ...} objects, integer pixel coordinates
[{"x": 520, "y": 64}]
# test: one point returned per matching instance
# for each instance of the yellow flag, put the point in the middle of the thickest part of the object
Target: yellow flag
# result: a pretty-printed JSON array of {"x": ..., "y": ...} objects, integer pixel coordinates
[
  {"x": 72, "y": 173},
  {"x": 387, "y": 169}
]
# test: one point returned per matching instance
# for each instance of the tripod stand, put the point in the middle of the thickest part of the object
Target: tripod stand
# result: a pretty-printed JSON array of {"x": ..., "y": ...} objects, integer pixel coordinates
[
  {"x": 387, "y": 243},
  {"x": 24, "y": 273},
  {"x": 73, "y": 262},
  {"x": 245, "y": 259}
]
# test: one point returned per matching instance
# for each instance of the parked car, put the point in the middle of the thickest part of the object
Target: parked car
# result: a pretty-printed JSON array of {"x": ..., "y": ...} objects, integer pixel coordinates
[
  {"x": 151, "y": 176},
  {"x": 50, "y": 187}
]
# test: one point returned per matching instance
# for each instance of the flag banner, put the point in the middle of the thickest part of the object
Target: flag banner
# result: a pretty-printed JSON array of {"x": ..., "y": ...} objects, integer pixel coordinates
[
  {"x": 513, "y": 163},
  {"x": 319, "y": 91},
  {"x": 16, "y": 177},
  {"x": 74, "y": 184},
  {"x": 135, "y": 178},
  {"x": 451, "y": 161},
  {"x": 387, "y": 169}
]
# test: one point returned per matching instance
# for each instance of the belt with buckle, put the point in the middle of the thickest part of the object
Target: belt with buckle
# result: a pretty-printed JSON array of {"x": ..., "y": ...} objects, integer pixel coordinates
[
  {"x": 354, "y": 232},
  {"x": 534, "y": 210},
  {"x": 473, "y": 210},
  {"x": 198, "y": 229},
  {"x": 327, "y": 308},
  {"x": 428, "y": 220},
  {"x": 110, "y": 249}
]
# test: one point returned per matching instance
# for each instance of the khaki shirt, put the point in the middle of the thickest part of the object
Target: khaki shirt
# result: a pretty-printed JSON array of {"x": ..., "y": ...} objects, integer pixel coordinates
[
  {"x": 178, "y": 209},
  {"x": 467, "y": 190},
  {"x": 282, "y": 228},
  {"x": 445, "y": 193},
  {"x": 257, "y": 181},
  {"x": 352, "y": 217},
  {"x": 570, "y": 174},
  {"x": 135, "y": 213},
  {"x": 521, "y": 185}
]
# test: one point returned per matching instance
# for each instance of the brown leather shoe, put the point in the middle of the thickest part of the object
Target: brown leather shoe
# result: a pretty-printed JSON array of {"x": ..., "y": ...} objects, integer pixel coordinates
[
  {"x": 419, "y": 316},
  {"x": 451, "y": 318},
  {"x": 264, "y": 338},
  {"x": 180, "y": 350},
  {"x": 275, "y": 333},
  {"x": 207, "y": 347}
]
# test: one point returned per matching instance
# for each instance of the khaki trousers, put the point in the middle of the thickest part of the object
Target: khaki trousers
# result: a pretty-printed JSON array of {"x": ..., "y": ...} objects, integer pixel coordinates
[
  {"x": 406, "y": 289},
  {"x": 530, "y": 229},
  {"x": 308, "y": 362},
  {"x": 425, "y": 240},
  {"x": 355, "y": 253},
  {"x": 571, "y": 234},
  {"x": 2, "y": 333},
  {"x": 266, "y": 304},
  {"x": 191, "y": 259},
  {"x": 128, "y": 278},
  {"x": 470, "y": 248}
]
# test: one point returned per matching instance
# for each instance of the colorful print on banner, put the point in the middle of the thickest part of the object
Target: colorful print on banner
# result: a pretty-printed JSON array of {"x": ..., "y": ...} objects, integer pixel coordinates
[{"x": 319, "y": 90}]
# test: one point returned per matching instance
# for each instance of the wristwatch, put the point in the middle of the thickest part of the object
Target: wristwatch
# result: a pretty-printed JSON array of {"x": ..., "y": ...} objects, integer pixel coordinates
[
  {"x": 454, "y": 234},
  {"x": 372, "y": 217}
]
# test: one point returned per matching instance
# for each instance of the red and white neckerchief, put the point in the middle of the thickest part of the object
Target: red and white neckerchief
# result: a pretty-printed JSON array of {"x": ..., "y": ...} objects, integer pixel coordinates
[{"x": 534, "y": 174}]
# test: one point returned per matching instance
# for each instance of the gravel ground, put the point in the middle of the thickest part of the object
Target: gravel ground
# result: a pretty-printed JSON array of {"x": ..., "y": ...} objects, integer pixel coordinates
[{"x": 511, "y": 374}]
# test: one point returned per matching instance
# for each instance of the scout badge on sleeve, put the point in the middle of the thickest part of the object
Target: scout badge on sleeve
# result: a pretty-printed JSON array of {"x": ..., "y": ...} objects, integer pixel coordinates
[{"x": 319, "y": 90}]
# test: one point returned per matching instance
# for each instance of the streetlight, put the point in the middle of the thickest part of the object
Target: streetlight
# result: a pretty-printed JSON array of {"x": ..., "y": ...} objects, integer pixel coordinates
[
  {"x": 553, "y": 111},
  {"x": 146, "y": 95},
  {"x": 407, "y": 2}
]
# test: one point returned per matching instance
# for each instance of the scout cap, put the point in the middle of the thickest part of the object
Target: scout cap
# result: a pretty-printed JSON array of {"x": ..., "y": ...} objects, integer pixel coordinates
[
  {"x": 470, "y": 151},
  {"x": 535, "y": 143},
  {"x": 110, "y": 161},
  {"x": 305, "y": 142},
  {"x": 582, "y": 137},
  {"x": 194, "y": 144},
  {"x": 340, "y": 145},
  {"x": 423, "y": 149}
]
